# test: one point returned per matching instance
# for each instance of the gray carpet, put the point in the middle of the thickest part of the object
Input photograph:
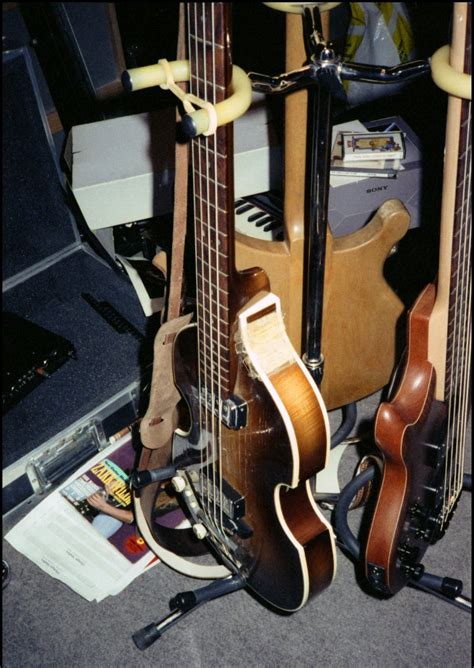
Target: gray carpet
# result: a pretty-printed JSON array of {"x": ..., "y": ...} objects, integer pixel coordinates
[{"x": 46, "y": 624}]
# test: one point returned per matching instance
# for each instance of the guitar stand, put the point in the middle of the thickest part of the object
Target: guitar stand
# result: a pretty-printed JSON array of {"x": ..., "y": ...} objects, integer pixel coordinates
[
  {"x": 446, "y": 588},
  {"x": 326, "y": 71},
  {"x": 184, "y": 603}
]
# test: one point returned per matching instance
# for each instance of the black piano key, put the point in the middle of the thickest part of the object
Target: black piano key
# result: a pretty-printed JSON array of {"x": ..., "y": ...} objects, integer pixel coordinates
[
  {"x": 243, "y": 208},
  {"x": 274, "y": 225},
  {"x": 264, "y": 221},
  {"x": 256, "y": 216}
]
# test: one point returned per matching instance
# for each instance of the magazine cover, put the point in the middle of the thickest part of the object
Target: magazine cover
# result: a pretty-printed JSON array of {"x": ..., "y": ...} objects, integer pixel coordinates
[
  {"x": 102, "y": 496},
  {"x": 83, "y": 533}
]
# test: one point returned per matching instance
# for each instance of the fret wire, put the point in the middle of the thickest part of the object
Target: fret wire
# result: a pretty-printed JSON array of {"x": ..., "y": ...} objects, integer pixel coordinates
[
  {"x": 211, "y": 282},
  {"x": 210, "y": 311},
  {"x": 204, "y": 42},
  {"x": 202, "y": 82},
  {"x": 221, "y": 306},
  {"x": 204, "y": 227},
  {"x": 222, "y": 156},
  {"x": 206, "y": 264},
  {"x": 222, "y": 186},
  {"x": 216, "y": 348}
]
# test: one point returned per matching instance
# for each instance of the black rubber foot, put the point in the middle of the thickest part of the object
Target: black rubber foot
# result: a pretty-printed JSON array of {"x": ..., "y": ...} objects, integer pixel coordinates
[{"x": 146, "y": 636}]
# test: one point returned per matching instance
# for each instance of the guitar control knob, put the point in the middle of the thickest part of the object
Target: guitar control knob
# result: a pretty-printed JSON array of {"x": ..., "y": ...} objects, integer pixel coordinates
[
  {"x": 179, "y": 483},
  {"x": 417, "y": 511},
  {"x": 413, "y": 572},
  {"x": 423, "y": 534},
  {"x": 199, "y": 530},
  {"x": 433, "y": 454},
  {"x": 407, "y": 552}
]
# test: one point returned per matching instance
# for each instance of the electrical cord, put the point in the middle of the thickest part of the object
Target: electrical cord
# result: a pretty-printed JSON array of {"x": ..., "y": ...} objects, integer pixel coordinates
[{"x": 349, "y": 417}]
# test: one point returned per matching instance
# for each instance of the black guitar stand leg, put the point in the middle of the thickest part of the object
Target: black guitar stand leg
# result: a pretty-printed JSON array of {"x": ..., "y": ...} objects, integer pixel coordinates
[
  {"x": 448, "y": 589},
  {"x": 184, "y": 603}
]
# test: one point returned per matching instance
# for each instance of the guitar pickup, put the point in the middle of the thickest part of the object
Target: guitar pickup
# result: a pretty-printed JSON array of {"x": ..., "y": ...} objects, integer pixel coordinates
[
  {"x": 233, "y": 411},
  {"x": 225, "y": 496}
]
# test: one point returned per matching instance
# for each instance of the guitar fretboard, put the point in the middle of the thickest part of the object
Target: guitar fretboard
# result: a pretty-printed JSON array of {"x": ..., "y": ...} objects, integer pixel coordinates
[
  {"x": 213, "y": 195},
  {"x": 459, "y": 334}
]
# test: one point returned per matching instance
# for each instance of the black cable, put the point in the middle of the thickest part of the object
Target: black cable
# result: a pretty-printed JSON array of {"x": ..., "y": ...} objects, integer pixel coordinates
[
  {"x": 341, "y": 510},
  {"x": 349, "y": 417},
  {"x": 467, "y": 482}
]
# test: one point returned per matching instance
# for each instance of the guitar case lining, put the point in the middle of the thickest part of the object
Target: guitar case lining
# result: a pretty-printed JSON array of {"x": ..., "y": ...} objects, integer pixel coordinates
[{"x": 46, "y": 268}]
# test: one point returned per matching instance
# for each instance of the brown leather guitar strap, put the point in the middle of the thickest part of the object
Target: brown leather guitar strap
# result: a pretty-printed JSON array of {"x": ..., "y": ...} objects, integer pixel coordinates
[
  {"x": 160, "y": 419},
  {"x": 175, "y": 282}
]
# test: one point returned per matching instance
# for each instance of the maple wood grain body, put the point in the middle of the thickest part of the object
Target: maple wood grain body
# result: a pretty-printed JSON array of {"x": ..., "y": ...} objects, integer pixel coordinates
[{"x": 289, "y": 555}]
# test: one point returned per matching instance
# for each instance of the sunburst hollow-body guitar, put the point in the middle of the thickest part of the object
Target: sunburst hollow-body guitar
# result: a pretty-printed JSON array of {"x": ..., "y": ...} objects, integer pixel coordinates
[{"x": 256, "y": 428}]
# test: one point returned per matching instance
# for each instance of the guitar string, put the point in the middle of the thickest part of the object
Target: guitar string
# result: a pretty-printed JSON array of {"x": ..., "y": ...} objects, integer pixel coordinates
[
  {"x": 204, "y": 145},
  {"x": 465, "y": 275},
  {"x": 452, "y": 362},
  {"x": 198, "y": 214},
  {"x": 467, "y": 202},
  {"x": 458, "y": 361},
  {"x": 218, "y": 231},
  {"x": 212, "y": 303},
  {"x": 467, "y": 365},
  {"x": 452, "y": 348},
  {"x": 459, "y": 333},
  {"x": 466, "y": 295},
  {"x": 215, "y": 364}
]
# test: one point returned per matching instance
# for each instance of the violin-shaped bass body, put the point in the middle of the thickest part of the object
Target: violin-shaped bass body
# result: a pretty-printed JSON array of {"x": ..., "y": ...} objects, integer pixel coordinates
[{"x": 249, "y": 482}]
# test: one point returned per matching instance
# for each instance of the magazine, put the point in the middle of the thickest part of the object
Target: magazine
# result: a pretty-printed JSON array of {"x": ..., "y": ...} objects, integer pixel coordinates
[{"x": 84, "y": 532}]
